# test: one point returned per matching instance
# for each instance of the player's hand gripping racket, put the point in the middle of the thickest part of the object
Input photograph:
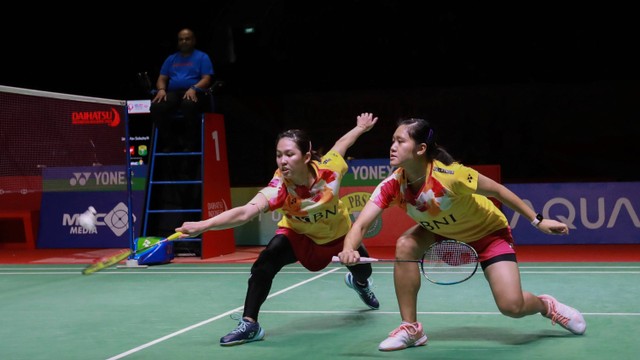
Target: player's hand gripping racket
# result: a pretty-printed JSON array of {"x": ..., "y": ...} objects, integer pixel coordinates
[
  {"x": 446, "y": 262},
  {"x": 108, "y": 261}
]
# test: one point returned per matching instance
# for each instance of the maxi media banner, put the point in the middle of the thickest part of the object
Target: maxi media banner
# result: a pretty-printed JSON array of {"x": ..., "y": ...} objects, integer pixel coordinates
[{"x": 69, "y": 191}]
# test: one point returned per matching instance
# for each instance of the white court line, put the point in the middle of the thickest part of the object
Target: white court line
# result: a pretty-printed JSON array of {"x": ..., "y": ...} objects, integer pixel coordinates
[
  {"x": 17, "y": 272},
  {"x": 147, "y": 272},
  {"x": 141, "y": 347},
  {"x": 10, "y": 270},
  {"x": 181, "y": 268},
  {"x": 377, "y": 312}
]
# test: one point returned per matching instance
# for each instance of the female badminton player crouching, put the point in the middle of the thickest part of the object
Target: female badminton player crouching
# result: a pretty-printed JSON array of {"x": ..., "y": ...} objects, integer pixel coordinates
[
  {"x": 449, "y": 200},
  {"x": 305, "y": 188}
]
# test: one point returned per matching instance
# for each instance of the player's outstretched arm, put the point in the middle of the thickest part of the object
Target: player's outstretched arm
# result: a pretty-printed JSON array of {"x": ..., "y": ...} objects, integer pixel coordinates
[
  {"x": 228, "y": 219},
  {"x": 365, "y": 122},
  {"x": 489, "y": 187}
]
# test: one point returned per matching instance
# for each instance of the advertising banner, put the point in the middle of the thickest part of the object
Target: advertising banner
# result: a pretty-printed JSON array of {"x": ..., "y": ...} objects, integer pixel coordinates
[
  {"x": 597, "y": 213},
  {"x": 69, "y": 191}
]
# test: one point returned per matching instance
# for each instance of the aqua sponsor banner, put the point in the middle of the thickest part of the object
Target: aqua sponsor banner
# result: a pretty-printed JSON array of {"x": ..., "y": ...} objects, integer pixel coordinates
[
  {"x": 71, "y": 190},
  {"x": 596, "y": 213}
]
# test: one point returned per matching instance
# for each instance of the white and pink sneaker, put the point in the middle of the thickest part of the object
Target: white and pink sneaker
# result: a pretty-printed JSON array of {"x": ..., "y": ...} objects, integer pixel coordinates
[
  {"x": 568, "y": 317},
  {"x": 404, "y": 336}
]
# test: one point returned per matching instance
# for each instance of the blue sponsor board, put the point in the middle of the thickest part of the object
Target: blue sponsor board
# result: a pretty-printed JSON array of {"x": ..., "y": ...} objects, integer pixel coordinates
[
  {"x": 596, "y": 213},
  {"x": 69, "y": 191}
]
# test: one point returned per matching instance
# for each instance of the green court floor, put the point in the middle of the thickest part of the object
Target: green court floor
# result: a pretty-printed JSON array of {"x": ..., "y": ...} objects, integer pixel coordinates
[{"x": 180, "y": 311}]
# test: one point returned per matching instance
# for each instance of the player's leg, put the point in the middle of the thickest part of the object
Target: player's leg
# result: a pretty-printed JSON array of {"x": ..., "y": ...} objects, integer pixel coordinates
[
  {"x": 276, "y": 255},
  {"x": 504, "y": 281},
  {"x": 359, "y": 279},
  {"x": 407, "y": 280},
  {"x": 512, "y": 301}
]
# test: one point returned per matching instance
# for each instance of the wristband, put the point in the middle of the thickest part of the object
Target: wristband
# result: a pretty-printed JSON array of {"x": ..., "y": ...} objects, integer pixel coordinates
[
  {"x": 160, "y": 89},
  {"x": 197, "y": 89},
  {"x": 537, "y": 220}
]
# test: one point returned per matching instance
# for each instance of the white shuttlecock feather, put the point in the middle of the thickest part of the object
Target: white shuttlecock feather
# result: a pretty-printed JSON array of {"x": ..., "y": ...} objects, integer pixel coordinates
[{"x": 88, "y": 219}]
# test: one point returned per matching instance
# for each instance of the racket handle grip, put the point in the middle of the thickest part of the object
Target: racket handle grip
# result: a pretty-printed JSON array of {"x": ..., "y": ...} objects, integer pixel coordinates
[{"x": 363, "y": 260}]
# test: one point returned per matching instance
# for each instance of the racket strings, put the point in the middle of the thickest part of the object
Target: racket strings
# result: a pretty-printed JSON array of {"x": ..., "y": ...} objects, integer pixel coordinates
[
  {"x": 451, "y": 255},
  {"x": 449, "y": 262}
]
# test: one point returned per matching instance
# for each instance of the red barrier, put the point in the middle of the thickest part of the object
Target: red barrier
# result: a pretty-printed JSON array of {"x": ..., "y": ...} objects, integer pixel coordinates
[{"x": 216, "y": 193}]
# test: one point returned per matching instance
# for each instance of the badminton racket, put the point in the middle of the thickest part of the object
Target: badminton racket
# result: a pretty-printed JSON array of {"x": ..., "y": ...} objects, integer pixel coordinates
[
  {"x": 446, "y": 262},
  {"x": 109, "y": 261}
]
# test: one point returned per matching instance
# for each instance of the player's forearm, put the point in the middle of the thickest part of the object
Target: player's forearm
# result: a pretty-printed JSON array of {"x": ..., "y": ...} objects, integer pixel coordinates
[
  {"x": 354, "y": 237},
  {"x": 348, "y": 139},
  {"x": 511, "y": 200},
  {"x": 230, "y": 218}
]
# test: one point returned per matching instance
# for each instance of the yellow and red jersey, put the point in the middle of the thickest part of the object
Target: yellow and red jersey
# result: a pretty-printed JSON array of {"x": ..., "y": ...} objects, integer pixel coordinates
[
  {"x": 446, "y": 204},
  {"x": 316, "y": 212}
]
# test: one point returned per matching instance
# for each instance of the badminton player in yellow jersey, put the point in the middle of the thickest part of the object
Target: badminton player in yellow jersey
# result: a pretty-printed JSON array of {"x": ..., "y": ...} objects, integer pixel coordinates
[
  {"x": 305, "y": 189},
  {"x": 449, "y": 200}
]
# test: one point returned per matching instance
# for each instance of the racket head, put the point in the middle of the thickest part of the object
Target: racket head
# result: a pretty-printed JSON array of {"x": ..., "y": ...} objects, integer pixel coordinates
[
  {"x": 449, "y": 262},
  {"x": 106, "y": 262}
]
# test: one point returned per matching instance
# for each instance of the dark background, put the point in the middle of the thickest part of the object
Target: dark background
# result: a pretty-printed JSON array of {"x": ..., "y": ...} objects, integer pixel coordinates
[{"x": 549, "y": 93}]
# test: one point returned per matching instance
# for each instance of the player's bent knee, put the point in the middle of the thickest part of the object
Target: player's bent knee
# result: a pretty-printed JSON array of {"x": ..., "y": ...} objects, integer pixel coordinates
[
  {"x": 511, "y": 310},
  {"x": 407, "y": 248}
]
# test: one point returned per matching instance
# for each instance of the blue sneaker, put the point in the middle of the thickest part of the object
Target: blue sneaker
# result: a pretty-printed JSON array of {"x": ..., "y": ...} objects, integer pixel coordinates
[
  {"x": 246, "y": 331},
  {"x": 365, "y": 293}
]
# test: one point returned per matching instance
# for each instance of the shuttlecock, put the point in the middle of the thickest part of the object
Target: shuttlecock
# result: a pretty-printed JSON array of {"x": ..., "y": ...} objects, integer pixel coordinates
[{"x": 88, "y": 219}]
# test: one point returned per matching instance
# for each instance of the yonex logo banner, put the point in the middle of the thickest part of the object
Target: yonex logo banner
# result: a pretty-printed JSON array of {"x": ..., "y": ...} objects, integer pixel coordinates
[
  {"x": 367, "y": 172},
  {"x": 87, "y": 178}
]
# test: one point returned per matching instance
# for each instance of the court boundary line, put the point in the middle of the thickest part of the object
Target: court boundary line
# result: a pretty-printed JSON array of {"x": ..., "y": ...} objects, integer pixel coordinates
[
  {"x": 195, "y": 326},
  {"x": 377, "y": 312}
]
